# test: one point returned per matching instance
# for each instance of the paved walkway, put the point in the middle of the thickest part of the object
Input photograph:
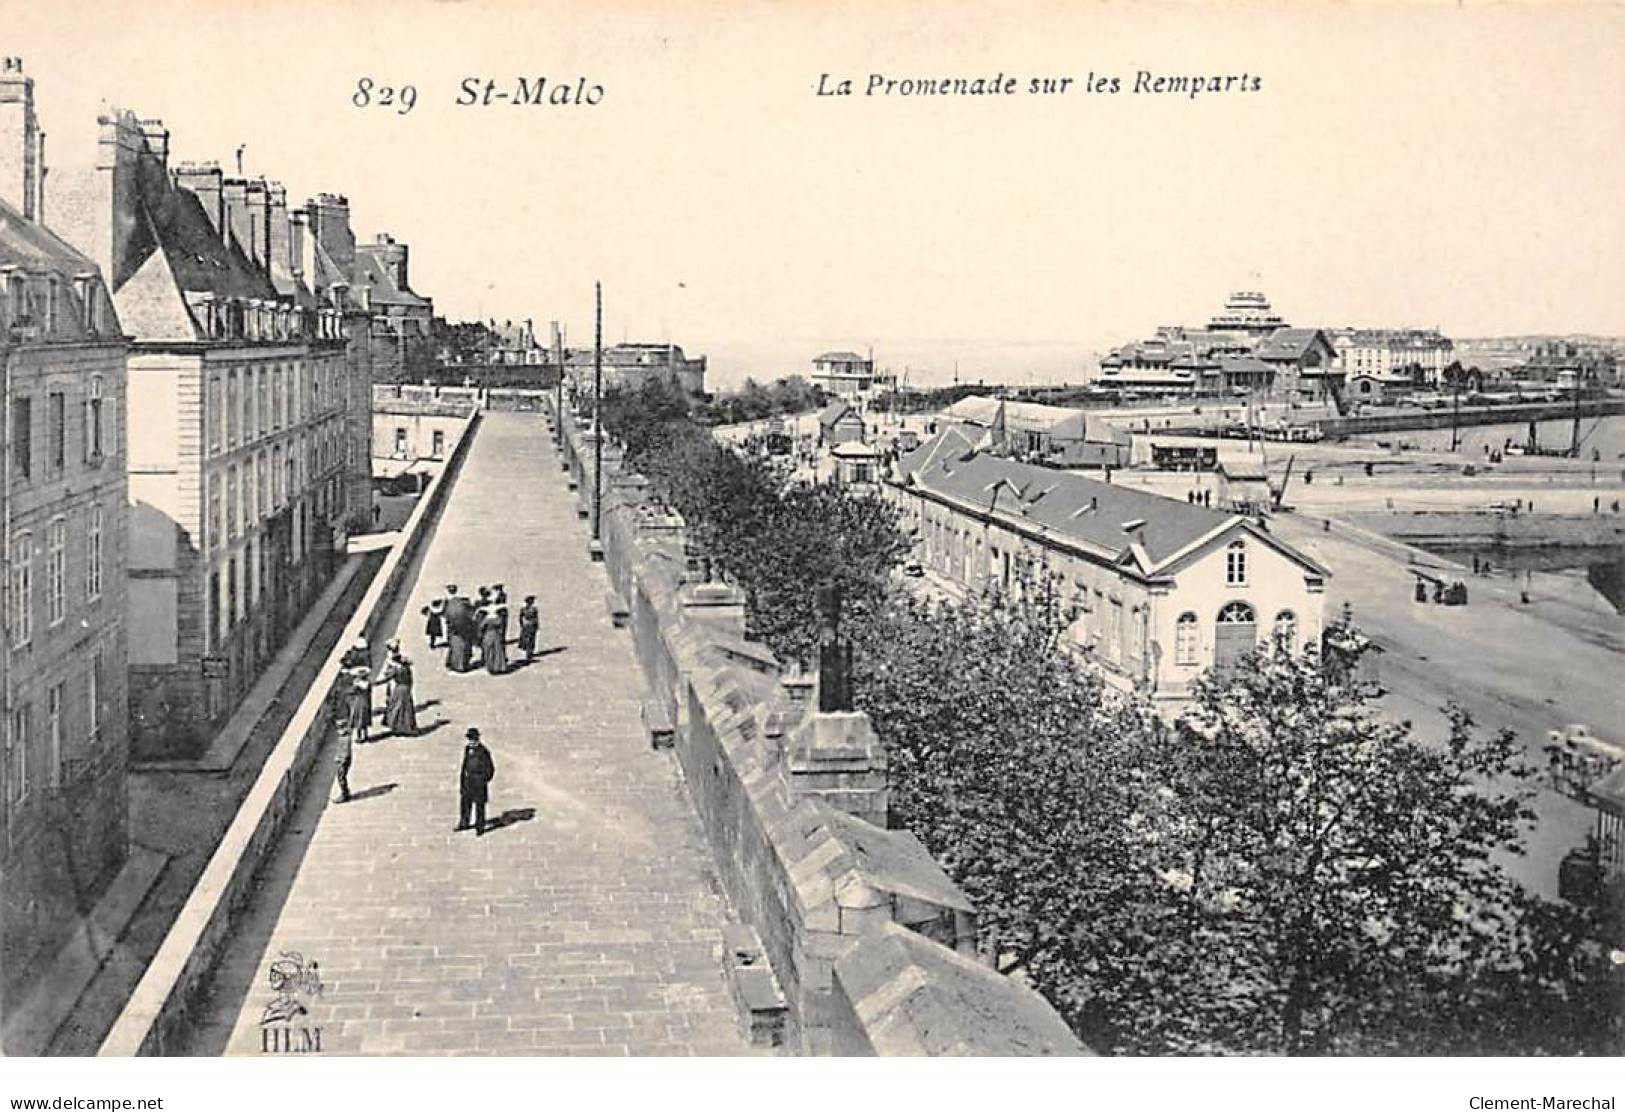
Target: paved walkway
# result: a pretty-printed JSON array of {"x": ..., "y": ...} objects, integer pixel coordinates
[{"x": 589, "y": 921}]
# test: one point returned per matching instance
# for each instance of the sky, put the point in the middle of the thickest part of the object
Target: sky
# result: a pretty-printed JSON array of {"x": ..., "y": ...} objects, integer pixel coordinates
[{"x": 1459, "y": 166}]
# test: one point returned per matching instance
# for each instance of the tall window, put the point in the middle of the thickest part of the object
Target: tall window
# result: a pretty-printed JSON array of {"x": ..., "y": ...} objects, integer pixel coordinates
[
  {"x": 93, "y": 554},
  {"x": 56, "y": 571},
  {"x": 248, "y": 495},
  {"x": 439, "y": 443},
  {"x": 1235, "y": 564},
  {"x": 276, "y": 477},
  {"x": 217, "y": 515},
  {"x": 22, "y": 436},
  {"x": 400, "y": 442},
  {"x": 1185, "y": 638},
  {"x": 232, "y": 503},
  {"x": 93, "y": 704},
  {"x": 250, "y": 415},
  {"x": 262, "y": 494},
  {"x": 93, "y": 420},
  {"x": 234, "y": 416},
  {"x": 262, "y": 379},
  {"x": 22, "y": 589},
  {"x": 17, "y": 754},
  {"x": 53, "y": 733},
  {"x": 57, "y": 428},
  {"x": 217, "y": 414}
]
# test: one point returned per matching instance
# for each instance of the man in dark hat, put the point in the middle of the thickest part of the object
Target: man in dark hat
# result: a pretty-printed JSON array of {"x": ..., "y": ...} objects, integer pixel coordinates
[{"x": 474, "y": 782}]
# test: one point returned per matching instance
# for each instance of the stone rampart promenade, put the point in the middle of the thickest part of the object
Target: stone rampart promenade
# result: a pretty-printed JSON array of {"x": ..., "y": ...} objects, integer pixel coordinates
[{"x": 871, "y": 943}]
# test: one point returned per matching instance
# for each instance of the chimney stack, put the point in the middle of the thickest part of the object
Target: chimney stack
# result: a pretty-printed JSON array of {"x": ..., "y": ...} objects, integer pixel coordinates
[
  {"x": 22, "y": 144},
  {"x": 208, "y": 183},
  {"x": 279, "y": 253},
  {"x": 330, "y": 222},
  {"x": 157, "y": 137}
]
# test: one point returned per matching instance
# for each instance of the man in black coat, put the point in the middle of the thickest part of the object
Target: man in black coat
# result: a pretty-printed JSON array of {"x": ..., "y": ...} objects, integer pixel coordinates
[{"x": 474, "y": 782}]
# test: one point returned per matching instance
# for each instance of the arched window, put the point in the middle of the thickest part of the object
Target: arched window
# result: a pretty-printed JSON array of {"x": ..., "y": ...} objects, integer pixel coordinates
[
  {"x": 1185, "y": 638},
  {"x": 1235, "y": 634},
  {"x": 1285, "y": 631},
  {"x": 1235, "y": 565}
]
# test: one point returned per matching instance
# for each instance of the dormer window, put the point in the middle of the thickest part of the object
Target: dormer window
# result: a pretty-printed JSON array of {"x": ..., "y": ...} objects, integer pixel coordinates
[
  {"x": 53, "y": 293},
  {"x": 84, "y": 287}
]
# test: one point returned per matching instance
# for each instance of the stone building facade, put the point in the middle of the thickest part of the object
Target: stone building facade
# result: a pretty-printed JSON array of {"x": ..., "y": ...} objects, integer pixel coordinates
[
  {"x": 63, "y": 781},
  {"x": 237, "y": 396},
  {"x": 1161, "y": 591},
  {"x": 402, "y": 328}
]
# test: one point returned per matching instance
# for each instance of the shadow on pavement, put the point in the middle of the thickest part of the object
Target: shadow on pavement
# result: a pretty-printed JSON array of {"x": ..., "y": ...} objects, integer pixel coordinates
[
  {"x": 381, "y": 789},
  {"x": 510, "y": 817}
]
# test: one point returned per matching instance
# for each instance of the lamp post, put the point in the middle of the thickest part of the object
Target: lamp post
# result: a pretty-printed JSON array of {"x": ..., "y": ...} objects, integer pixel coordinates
[{"x": 597, "y": 406}]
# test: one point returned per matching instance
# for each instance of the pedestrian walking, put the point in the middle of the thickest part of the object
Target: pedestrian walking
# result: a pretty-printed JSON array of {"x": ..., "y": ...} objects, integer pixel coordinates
[
  {"x": 460, "y": 630},
  {"x": 530, "y": 623},
  {"x": 400, "y": 712},
  {"x": 359, "y": 705},
  {"x": 434, "y": 625},
  {"x": 342, "y": 760},
  {"x": 474, "y": 782},
  {"x": 493, "y": 653}
]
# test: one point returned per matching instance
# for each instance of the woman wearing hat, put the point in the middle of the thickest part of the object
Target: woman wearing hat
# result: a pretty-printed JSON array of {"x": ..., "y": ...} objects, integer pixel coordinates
[
  {"x": 435, "y": 622},
  {"x": 493, "y": 652},
  {"x": 400, "y": 713},
  {"x": 359, "y": 706}
]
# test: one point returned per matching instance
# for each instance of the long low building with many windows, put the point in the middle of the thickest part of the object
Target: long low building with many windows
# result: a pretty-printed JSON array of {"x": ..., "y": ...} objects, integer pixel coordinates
[{"x": 1161, "y": 590}]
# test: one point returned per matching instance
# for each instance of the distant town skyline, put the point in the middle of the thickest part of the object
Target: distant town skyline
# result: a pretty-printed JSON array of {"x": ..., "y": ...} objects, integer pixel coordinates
[{"x": 1452, "y": 167}]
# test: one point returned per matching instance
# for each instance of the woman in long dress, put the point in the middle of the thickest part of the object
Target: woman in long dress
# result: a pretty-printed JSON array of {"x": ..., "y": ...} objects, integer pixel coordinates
[
  {"x": 400, "y": 713},
  {"x": 493, "y": 652}
]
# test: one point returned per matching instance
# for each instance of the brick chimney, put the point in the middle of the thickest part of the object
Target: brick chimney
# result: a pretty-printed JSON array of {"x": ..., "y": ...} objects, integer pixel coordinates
[
  {"x": 330, "y": 220},
  {"x": 257, "y": 245},
  {"x": 157, "y": 137},
  {"x": 207, "y": 182},
  {"x": 22, "y": 144},
  {"x": 302, "y": 247},
  {"x": 393, "y": 256},
  {"x": 280, "y": 249},
  {"x": 234, "y": 200},
  {"x": 96, "y": 208}
]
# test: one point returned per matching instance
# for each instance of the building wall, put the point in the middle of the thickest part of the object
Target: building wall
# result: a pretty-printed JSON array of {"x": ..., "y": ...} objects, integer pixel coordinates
[
  {"x": 239, "y": 516},
  {"x": 358, "y": 423},
  {"x": 408, "y": 435},
  {"x": 1125, "y": 625},
  {"x": 65, "y": 817},
  {"x": 1274, "y": 583}
]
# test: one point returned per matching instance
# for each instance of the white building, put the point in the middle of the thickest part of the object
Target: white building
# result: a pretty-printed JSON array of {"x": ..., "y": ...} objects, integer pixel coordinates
[
  {"x": 844, "y": 374},
  {"x": 1163, "y": 590}
]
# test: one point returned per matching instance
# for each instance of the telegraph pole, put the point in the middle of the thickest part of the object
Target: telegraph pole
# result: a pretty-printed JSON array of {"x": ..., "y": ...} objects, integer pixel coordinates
[{"x": 597, "y": 406}]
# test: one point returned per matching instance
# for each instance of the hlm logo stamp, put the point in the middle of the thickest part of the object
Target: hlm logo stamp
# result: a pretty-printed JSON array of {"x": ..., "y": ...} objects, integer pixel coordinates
[{"x": 296, "y": 984}]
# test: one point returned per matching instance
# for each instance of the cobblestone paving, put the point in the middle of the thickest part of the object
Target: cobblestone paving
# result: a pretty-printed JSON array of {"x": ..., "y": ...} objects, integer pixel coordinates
[{"x": 589, "y": 922}]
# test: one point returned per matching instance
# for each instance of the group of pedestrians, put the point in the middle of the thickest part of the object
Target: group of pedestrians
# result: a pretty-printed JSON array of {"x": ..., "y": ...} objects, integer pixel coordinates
[
  {"x": 468, "y": 625},
  {"x": 355, "y": 717},
  {"x": 464, "y": 626}
]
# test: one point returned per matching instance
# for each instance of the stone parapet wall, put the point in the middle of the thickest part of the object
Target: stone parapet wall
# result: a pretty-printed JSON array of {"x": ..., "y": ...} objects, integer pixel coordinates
[
  {"x": 867, "y": 935},
  {"x": 156, "y": 1017}
]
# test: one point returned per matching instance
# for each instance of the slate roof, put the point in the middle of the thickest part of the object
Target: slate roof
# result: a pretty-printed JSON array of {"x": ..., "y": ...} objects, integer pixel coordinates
[
  {"x": 833, "y": 412},
  {"x": 1106, "y": 519},
  {"x": 35, "y": 248},
  {"x": 1288, "y": 343},
  {"x": 201, "y": 263},
  {"x": 976, "y": 409},
  {"x": 371, "y": 274}
]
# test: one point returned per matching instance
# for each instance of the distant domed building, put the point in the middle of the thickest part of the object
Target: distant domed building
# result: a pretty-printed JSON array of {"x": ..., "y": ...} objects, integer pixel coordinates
[{"x": 1247, "y": 311}]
